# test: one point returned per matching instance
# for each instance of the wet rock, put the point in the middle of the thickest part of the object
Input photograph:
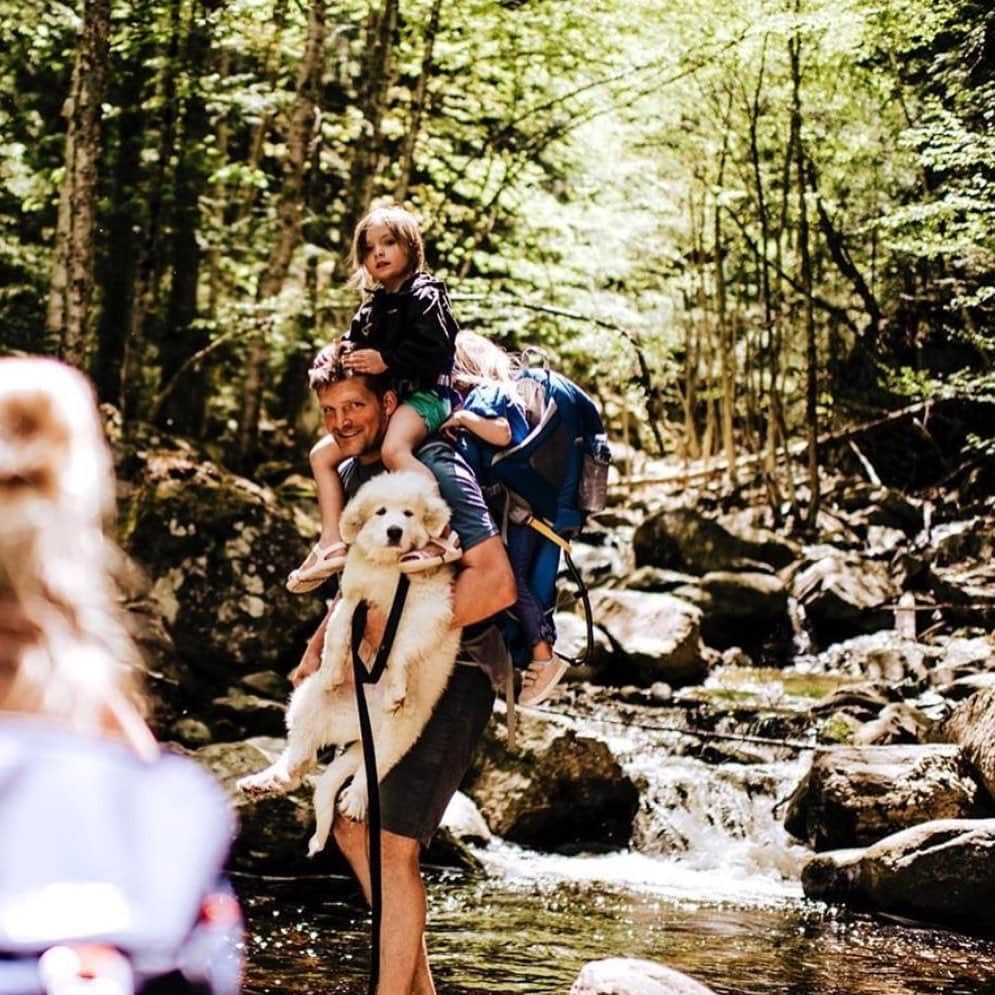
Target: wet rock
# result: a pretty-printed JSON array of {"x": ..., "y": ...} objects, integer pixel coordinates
[
  {"x": 970, "y": 539},
  {"x": 274, "y": 832},
  {"x": 747, "y": 609},
  {"x": 853, "y": 796},
  {"x": 941, "y": 871},
  {"x": 219, "y": 547},
  {"x": 657, "y": 636},
  {"x": 686, "y": 539},
  {"x": 268, "y": 683},
  {"x": 883, "y": 656},
  {"x": 873, "y": 504},
  {"x": 558, "y": 791},
  {"x": 657, "y": 579},
  {"x": 242, "y": 715},
  {"x": 967, "y": 593},
  {"x": 972, "y": 726},
  {"x": 191, "y": 732},
  {"x": 845, "y": 595},
  {"x": 464, "y": 820},
  {"x": 898, "y": 722},
  {"x": 628, "y": 976},
  {"x": 571, "y": 641}
]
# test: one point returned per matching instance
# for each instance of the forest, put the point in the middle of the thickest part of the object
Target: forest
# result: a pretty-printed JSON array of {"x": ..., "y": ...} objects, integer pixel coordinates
[{"x": 741, "y": 225}]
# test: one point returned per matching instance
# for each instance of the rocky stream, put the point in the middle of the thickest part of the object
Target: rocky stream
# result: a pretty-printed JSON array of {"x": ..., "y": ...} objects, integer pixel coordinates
[{"x": 776, "y": 775}]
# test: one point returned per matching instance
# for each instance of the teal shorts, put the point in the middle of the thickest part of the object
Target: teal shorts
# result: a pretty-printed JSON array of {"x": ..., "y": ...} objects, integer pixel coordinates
[{"x": 432, "y": 408}]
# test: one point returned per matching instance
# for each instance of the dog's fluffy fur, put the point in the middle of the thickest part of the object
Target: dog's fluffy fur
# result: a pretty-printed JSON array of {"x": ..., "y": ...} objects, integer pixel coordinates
[{"x": 390, "y": 515}]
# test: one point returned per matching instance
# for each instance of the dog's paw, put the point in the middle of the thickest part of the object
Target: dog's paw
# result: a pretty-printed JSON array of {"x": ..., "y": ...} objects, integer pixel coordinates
[
  {"x": 353, "y": 802},
  {"x": 271, "y": 781},
  {"x": 316, "y": 844}
]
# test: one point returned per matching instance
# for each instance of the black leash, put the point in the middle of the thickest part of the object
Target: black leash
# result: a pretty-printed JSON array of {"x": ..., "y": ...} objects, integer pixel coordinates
[{"x": 372, "y": 676}]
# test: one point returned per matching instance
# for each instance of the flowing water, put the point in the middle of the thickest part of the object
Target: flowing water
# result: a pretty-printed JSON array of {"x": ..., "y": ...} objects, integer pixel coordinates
[{"x": 710, "y": 888}]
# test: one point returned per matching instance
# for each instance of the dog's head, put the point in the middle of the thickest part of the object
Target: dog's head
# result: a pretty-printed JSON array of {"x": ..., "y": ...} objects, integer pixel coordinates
[{"x": 392, "y": 514}]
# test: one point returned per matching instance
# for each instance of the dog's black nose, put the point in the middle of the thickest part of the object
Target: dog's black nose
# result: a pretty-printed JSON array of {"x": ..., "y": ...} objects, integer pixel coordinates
[{"x": 394, "y": 534}]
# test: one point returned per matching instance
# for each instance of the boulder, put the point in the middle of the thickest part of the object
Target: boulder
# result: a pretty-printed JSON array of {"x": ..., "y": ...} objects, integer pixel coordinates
[
  {"x": 942, "y": 871},
  {"x": 747, "y": 609},
  {"x": 972, "y": 726},
  {"x": 853, "y": 796},
  {"x": 238, "y": 715},
  {"x": 557, "y": 791},
  {"x": 218, "y": 547},
  {"x": 657, "y": 636},
  {"x": 881, "y": 657},
  {"x": 845, "y": 595},
  {"x": 274, "y": 832},
  {"x": 628, "y": 976},
  {"x": 898, "y": 722},
  {"x": 571, "y": 641},
  {"x": 686, "y": 539}
]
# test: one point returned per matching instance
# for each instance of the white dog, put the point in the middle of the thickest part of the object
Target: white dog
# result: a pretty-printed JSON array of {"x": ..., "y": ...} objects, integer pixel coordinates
[{"x": 390, "y": 515}]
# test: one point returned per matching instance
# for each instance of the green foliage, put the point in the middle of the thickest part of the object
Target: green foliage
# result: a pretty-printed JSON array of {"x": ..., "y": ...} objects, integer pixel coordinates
[{"x": 616, "y": 182}]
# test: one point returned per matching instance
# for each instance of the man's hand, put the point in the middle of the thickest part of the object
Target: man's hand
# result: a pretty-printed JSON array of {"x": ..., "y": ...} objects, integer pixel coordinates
[{"x": 310, "y": 662}]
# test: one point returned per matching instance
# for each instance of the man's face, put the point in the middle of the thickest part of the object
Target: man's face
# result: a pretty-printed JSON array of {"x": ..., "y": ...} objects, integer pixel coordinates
[{"x": 355, "y": 417}]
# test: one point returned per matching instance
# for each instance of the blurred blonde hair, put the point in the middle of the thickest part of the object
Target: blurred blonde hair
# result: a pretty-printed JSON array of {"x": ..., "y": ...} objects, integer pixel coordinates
[
  {"x": 478, "y": 360},
  {"x": 64, "y": 650}
]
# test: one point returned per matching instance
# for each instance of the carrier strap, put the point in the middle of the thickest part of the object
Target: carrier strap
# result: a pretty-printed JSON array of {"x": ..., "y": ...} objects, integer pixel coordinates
[
  {"x": 372, "y": 676},
  {"x": 547, "y": 532}
]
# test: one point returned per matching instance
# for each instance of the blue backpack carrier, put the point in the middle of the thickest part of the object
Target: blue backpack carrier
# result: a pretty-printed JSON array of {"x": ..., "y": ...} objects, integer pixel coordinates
[{"x": 551, "y": 481}]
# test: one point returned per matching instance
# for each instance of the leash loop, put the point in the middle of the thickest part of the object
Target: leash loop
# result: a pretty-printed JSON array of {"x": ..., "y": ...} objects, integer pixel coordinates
[{"x": 372, "y": 676}]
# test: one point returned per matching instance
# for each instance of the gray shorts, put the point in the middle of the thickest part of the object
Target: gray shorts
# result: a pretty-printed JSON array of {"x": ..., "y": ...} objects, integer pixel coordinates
[{"x": 414, "y": 795}]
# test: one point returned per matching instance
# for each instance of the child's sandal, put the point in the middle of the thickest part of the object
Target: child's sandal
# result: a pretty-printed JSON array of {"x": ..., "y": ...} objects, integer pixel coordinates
[
  {"x": 435, "y": 553},
  {"x": 540, "y": 679},
  {"x": 320, "y": 564}
]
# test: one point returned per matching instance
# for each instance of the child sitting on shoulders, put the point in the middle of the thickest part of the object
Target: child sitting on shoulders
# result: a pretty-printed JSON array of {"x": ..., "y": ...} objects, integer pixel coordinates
[
  {"x": 405, "y": 329},
  {"x": 494, "y": 417}
]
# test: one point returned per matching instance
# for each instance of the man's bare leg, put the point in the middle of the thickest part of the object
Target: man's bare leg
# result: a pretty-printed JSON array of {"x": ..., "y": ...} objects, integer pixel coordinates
[{"x": 404, "y": 966}]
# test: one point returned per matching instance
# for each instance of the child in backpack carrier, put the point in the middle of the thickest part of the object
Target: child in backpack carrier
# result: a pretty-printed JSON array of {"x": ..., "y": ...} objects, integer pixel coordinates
[
  {"x": 494, "y": 417},
  {"x": 406, "y": 330}
]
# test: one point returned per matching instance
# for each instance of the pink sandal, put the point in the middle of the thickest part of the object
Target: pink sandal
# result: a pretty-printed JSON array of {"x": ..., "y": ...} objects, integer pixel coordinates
[
  {"x": 435, "y": 553},
  {"x": 540, "y": 679},
  {"x": 320, "y": 564}
]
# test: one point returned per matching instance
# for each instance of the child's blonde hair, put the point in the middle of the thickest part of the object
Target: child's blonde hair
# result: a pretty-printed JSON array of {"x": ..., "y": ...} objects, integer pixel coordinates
[
  {"x": 64, "y": 650},
  {"x": 402, "y": 225},
  {"x": 478, "y": 360}
]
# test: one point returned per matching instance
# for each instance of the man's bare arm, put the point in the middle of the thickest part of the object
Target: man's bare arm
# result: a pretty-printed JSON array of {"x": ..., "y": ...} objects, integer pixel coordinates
[
  {"x": 485, "y": 583},
  {"x": 311, "y": 659}
]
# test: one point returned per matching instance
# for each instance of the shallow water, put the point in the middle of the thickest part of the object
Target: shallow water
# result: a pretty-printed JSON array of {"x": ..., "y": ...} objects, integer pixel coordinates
[
  {"x": 532, "y": 932},
  {"x": 713, "y": 891}
]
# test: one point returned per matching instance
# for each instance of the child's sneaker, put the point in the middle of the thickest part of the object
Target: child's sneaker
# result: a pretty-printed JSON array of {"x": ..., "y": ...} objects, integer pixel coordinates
[
  {"x": 320, "y": 564},
  {"x": 436, "y": 552},
  {"x": 540, "y": 678}
]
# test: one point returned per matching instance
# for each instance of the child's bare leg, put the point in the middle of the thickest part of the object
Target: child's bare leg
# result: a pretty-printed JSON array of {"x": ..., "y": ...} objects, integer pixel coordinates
[
  {"x": 328, "y": 554},
  {"x": 405, "y": 433},
  {"x": 325, "y": 458}
]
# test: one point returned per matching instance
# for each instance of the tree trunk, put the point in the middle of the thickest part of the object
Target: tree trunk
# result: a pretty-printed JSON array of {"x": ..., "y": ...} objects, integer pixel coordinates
[
  {"x": 288, "y": 235},
  {"x": 805, "y": 259},
  {"x": 375, "y": 79},
  {"x": 418, "y": 96},
  {"x": 71, "y": 293}
]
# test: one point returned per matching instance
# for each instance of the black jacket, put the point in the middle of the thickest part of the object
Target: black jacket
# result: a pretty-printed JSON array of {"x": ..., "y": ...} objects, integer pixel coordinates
[{"x": 413, "y": 330}]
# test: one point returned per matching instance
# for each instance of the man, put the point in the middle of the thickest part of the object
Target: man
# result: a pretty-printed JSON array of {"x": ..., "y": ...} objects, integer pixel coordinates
[{"x": 357, "y": 408}]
